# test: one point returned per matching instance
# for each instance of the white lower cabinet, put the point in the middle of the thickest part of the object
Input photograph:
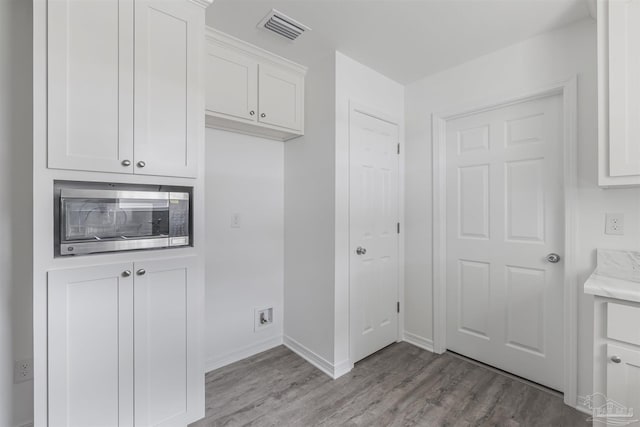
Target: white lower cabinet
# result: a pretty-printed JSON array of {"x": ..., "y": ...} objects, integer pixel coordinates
[
  {"x": 623, "y": 376},
  {"x": 616, "y": 391},
  {"x": 123, "y": 345}
]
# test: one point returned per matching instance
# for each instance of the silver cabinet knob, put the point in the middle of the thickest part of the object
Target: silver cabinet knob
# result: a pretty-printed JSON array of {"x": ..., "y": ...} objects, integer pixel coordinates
[
  {"x": 141, "y": 272},
  {"x": 553, "y": 258},
  {"x": 616, "y": 359},
  {"x": 252, "y": 113},
  {"x": 141, "y": 164},
  {"x": 361, "y": 250},
  {"x": 263, "y": 115},
  {"x": 126, "y": 163},
  {"x": 126, "y": 273}
]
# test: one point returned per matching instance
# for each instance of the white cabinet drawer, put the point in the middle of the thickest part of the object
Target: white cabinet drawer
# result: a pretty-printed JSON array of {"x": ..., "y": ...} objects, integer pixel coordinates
[{"x": 623, "y": 323}]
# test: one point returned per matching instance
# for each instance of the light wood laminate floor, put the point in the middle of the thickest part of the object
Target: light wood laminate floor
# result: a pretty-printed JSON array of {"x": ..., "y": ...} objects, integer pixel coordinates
[{"x": 400, "y": 385}]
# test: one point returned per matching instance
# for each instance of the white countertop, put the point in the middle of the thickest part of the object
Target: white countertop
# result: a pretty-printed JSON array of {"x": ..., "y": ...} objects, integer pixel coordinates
[{"x": 617, "y": 276}]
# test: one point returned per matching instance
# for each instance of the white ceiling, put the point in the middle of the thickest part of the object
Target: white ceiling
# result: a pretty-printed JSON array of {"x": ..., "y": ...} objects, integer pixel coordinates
[{"x": 403, "y": 39}]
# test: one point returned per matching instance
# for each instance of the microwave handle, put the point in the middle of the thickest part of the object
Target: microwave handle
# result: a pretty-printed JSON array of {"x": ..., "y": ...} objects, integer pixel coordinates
[{"x": 81, "y": 193}]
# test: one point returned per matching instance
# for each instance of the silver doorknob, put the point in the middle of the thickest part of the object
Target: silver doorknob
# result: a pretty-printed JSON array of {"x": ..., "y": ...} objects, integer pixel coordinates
[
  {"x": 553, "y": 258},
  {"x": 361, "y": 250},
  {"x": 251, "y": 113},
  {"x": 126, "y": 163},
  {"x": 126, "y": 273},
  {"x": 141, "y": 164},
  {"x": 616, "y": 359},
  {"x": 263, "y": 115},
  {"x": 141, "y": 272}
]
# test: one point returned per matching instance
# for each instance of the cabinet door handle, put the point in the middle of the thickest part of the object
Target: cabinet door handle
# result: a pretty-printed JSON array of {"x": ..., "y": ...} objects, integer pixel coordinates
[
  {"x": 126, "y": 163},
  {"x": 616, "y": 359},
  {"x": 251, "y": 113},
  {"x": 126, "y": 273},
  {"x": 263, "y": 115},
  {"x": 141, "y": 164},
  {"x": 141, "y": 272}
]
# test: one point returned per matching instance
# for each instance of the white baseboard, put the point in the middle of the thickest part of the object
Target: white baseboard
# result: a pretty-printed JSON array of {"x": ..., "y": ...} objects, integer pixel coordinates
[
  {"x": 341, "y": 368},
  {"x": 582, "y": 408},
  {"x": 418, "y": 341},
  {"x": 333, "y": 371},
  {"x": 242, "y": 353}
]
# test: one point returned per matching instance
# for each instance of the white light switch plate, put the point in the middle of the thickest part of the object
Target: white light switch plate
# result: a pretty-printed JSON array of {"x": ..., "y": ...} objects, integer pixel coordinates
[{"x": 614, "y": 224}]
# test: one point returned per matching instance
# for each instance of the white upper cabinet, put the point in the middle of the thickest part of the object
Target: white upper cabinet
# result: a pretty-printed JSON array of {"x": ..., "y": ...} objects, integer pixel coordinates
[
  {"x": 168, "y": 39},
  {"x": 280, "y": 97},
  {"x": 124, "y": 85},
  {"x": 90, "y": 85},
  {"x": 252, "y": 91},
  {"x": 619, "y": 92},
  {"x": 232, "y": 84}
]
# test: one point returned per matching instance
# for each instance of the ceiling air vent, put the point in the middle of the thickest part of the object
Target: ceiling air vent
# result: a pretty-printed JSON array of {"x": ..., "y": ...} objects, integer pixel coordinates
[{"x": 282, "y": 25}]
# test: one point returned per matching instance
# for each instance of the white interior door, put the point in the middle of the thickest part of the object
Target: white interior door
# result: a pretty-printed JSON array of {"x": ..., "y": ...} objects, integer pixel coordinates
[
  {"x": 504, "y": 216},
  {"x": 373, "y": 234}
]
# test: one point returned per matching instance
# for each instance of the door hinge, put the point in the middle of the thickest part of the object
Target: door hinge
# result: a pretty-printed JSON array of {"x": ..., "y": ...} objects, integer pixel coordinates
[
  {"x": 398, "y": 228},
  {"x": 398, "y": 307},
  {"x": 398, "y": 148}
]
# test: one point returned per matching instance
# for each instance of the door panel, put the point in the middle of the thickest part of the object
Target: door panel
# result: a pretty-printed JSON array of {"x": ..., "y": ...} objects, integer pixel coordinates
[
  {"x": 280, "y": 101},
  {"x": 90, "y": 85},
  {"x": 504, "y": 215},
  {"x": 167, "y": 99},
  {"x": 90, "y": 345},
  {"x": 373, "y": 221},
  {"x": 231, "y": 83},
  {"x": 166, "y": 364}
]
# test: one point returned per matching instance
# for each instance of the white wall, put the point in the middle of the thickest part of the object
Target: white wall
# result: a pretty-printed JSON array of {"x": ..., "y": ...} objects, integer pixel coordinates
[
  {"x": 536, "y": 62},
  {"x": 245, "y": 265},
  {"x": 358, "y": 83},
  {"x": 317, "y": 206},
  {"x": 309, "y": 184},
  {"x": 16, "y": 403}
]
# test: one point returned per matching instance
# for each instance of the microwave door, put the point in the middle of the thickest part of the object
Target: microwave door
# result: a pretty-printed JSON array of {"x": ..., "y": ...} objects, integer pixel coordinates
[{"x": 113, "y": 215}]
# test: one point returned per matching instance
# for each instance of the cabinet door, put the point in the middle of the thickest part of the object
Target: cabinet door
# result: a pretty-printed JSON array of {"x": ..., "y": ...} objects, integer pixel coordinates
[
  {"x": 280, "y": 98},
  {"x": 169, "y": 382},
  {"x": 623, "y": 378},
  {"x": 231, "y": 83},
  {"x": 90, "y": 344},
  {"x": 90, "y": 85},
  {"x": 624, "y": 87},
  {"x": 168, "y": 99}
]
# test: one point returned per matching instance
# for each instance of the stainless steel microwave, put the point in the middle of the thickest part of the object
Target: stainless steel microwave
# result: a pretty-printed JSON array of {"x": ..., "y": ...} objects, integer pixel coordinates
[{"x": 93, "y": 218}]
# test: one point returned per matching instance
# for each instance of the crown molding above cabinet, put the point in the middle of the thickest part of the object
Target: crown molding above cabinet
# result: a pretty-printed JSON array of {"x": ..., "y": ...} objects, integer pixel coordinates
[{"x": 252, "y": 91}]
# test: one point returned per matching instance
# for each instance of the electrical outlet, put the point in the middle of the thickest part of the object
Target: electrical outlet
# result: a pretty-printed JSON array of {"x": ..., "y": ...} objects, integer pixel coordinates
[
  {"x": 263, "y": 317},
  {"x": 22, "y": 371},
  {"x": 614, "y": 224},
  {"x": 235, "y": 220}
]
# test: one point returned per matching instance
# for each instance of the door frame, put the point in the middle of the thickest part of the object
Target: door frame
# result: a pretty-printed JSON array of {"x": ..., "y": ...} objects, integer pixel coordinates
[
  {"x": 568, "y": 90},
  {"x": 359, "y": 107}
]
